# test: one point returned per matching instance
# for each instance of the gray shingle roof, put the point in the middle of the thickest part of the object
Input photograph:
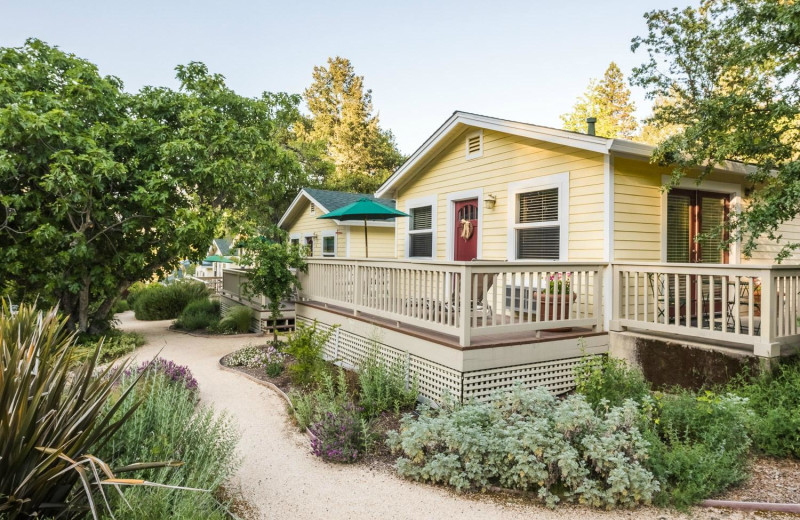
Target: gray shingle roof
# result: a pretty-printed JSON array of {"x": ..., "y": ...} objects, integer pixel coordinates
[
  {"x": 333, "y": 200},
  {"x": 224, "y": 245}
]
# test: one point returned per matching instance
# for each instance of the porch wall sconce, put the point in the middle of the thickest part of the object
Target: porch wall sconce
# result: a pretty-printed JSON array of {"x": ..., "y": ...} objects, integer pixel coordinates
[{"x": 489, "y": 201}]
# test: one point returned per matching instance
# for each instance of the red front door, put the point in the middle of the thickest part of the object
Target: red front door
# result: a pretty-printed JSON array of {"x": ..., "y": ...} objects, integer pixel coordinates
[{"x": 466, "y": 230}]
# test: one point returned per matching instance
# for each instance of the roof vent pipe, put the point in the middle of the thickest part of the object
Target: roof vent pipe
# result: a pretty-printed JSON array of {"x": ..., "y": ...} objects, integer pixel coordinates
[{"x": 590, "y": 121}]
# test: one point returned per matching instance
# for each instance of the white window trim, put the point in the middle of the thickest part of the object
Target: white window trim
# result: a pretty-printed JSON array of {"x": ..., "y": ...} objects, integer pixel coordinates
[
  {"x": 469, "y": 136},
  {"x": 323, "y": 235},
  {"x": 458, "y": 196},
  {"x": 734, "y": 191},
  {"x": 295, "y": 236},
  {"x": 421, "y": 202},
  {"x": 558, "y": 180}
]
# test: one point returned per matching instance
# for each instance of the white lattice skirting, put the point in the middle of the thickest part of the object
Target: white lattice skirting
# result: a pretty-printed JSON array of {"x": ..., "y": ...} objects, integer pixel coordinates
[{"x": 435, "y": 380}]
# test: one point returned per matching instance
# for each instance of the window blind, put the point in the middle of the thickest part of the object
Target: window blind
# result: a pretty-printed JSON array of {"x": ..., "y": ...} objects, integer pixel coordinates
[
  {"x": 678, "y": 233},
  {"x": 539, "y": 243},
  {"x": 538, "y": 206},
  {"x": 713, "y": 215},
  {"x": 420, "y": 244},
  {"x": 421, "y": 218}
]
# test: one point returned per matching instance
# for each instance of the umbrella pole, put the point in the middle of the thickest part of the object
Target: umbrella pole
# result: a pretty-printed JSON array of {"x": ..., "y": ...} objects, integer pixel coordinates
[{"x": 366, "y": 245}]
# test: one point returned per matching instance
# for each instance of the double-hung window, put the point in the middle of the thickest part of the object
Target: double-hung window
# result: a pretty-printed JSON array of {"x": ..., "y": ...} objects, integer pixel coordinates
[
  {"x": 538, "y": 224},
  {"x": 421, "y": 237}
]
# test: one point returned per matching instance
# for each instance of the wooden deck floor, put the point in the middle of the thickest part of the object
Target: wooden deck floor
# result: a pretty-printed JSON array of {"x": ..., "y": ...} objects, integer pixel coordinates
[{"x": 449, "y": 340}]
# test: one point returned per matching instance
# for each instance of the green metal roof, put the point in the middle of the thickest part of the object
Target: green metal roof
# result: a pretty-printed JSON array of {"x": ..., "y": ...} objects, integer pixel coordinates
[{"x": 333, "y": 200}]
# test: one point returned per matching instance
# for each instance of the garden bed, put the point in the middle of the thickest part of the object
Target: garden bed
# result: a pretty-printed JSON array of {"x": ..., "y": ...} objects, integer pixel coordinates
[{"x": 347, "y": 388}]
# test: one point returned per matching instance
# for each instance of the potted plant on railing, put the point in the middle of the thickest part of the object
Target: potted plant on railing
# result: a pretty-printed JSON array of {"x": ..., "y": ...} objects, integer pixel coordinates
[{"x": 559, "y": 297}]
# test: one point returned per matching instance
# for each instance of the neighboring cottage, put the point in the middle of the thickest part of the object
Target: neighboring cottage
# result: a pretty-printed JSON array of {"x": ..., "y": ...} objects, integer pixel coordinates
[{"x": 336, "y": 238}]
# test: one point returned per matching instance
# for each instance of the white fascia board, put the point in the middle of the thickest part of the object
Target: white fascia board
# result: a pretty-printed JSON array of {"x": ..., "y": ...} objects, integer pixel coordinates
[{"x": 294, "y": 204}]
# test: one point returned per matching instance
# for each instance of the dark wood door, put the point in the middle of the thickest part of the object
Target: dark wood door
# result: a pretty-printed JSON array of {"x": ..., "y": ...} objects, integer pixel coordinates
[{"x": 465, "y": 233}]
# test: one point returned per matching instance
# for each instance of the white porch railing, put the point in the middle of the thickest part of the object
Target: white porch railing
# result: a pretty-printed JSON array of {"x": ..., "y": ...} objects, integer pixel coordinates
[
  {"x": 751, "y": 305},
  {"x": 232, "y": 281},
  {"x": 463, "y": 299}
]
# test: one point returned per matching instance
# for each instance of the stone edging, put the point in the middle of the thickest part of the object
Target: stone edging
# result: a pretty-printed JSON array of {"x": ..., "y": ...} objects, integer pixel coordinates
[
  {"x": 196, "y": 335},
  {"x": 267, "y": 384}
]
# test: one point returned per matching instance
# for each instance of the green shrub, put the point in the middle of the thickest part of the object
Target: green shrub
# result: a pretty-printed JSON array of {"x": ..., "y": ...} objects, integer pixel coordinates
[
  {"x": 331, "y": 395},
  {"x": 237, "y": 319},
  {"x": 699, "y": 445},
  {"x": 383, "y": 386},
  {"x": 274, "y": 360},
  {"x": 49, "y": 402},
  {"x": 120, "y": 306},
  {"x": 115, "y": 344},
  {"x": 199, "y": 314},
  {"x": 527, "y": 440},
  {"x": 166, "y": 302},
  {"x": 775, "y": 401},
  {"x": 604, "y": 377},
  {"x": 306, "y": 346},
  {"x": 134, "y": 291},
  {"x": 169, "y": 426}
]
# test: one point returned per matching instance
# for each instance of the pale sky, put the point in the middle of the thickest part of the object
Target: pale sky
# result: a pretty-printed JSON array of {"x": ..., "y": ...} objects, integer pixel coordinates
[{"x": 521, "y": 60}]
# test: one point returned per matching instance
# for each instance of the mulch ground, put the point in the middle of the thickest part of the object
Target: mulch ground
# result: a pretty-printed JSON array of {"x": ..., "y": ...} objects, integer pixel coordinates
[{"x": 772, "y": 480}]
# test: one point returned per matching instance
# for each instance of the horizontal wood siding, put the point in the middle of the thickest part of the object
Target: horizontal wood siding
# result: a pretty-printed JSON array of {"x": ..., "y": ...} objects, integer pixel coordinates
[
  {"x": 380, "y": 240},
  {"x": 637, "y": 211},
  {"x": 507, "y": 159}
]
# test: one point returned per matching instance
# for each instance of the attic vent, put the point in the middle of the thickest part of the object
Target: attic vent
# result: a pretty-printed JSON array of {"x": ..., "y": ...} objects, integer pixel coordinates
[
  {"x": 475, "y": 145},
  {"x": 313, "y": 209}
]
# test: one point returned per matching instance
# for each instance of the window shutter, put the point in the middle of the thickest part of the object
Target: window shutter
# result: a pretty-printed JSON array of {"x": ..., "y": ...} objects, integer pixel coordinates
[
  {"x": 678, "y": 208},
  {"x": 539, "y": 243},
  {"x": 538, "y": 206},
  {"x": 421, "y": 218}
]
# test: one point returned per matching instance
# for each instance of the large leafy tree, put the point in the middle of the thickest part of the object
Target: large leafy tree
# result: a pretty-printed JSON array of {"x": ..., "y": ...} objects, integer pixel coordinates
[
  {"x": 343, "y": 125},
  {"x": 100, "y": 188},
  {"x": 609, "y": 100},
  {"x": 730, "y": 70}
]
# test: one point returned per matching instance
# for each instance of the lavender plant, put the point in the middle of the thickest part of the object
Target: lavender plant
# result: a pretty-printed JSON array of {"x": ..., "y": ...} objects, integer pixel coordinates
[
  {"x": 174, "y": 372},
  {"x": 338, "y": 434}
]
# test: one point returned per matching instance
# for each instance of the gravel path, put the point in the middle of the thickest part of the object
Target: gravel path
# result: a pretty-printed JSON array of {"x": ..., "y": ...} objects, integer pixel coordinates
[{"x": 282, "y": 480}]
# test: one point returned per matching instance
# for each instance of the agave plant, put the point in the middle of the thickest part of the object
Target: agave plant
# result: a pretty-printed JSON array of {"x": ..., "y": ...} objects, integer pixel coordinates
[{"x": 52, "y": 415}]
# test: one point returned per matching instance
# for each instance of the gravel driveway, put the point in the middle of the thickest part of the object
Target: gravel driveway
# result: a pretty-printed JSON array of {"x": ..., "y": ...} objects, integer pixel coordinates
[{"x": 282, "y": 480}]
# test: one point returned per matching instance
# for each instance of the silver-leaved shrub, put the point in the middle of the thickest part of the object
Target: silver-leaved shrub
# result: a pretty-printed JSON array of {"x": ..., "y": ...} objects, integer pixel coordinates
[{"x": 528, "y": 440}]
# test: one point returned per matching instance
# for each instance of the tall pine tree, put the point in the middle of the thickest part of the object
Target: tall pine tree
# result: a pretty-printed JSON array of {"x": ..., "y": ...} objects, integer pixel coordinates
[
  {"x": 343, "y": 124},
  {"x": 609, "y": 100}
]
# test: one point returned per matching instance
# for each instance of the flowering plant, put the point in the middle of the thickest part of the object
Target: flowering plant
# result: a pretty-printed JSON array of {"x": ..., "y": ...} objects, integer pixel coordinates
[
  {"x": 559, "y": 283},
  {"x": 273, "y": 361},
  {"x": 338, "y": 434},
  {"x": 170, "y": 369}
]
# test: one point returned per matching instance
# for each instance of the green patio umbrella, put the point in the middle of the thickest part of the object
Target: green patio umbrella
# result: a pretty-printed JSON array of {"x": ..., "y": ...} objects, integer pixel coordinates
[
  {"x": 217, "y": 258},
  {"x": 365, "y": 209}
]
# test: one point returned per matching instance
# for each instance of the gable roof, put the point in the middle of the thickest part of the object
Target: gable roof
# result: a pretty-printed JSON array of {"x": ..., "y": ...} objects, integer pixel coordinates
[
  {"x": 329, "y": 200},
  {"x": 224, "y": 245},
  {"x": 460, "y": 121}
]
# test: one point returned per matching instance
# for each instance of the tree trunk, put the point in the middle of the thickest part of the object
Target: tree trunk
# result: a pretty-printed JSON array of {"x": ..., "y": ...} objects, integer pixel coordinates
[
  {"x": 99, "y": 321},
  {"x": 83, "y": 305}
]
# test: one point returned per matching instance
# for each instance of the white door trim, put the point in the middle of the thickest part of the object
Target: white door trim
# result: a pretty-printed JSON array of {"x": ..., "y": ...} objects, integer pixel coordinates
[{"x": 458, "y": 196}]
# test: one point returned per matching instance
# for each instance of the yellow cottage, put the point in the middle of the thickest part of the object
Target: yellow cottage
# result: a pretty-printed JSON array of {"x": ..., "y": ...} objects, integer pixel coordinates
[
  {"x": 336, "y": 238},
  {"x": 528, "y": 247}
]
